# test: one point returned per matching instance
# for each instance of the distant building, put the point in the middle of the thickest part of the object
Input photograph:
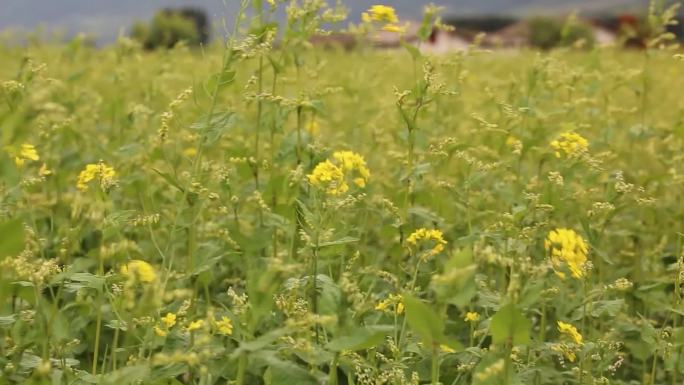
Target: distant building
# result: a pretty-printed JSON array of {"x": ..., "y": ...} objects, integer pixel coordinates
[
  {"x": 446, "y": 41},
  {"x": 335, "y": 40},
  {"x": 387, "y": 39},
  {"x": 514, "y": 35},
  {"x": 603, "y": 36}
]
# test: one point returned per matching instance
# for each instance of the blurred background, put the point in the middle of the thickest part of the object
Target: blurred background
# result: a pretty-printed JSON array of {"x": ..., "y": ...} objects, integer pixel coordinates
[{"x": 506, "y": 22}]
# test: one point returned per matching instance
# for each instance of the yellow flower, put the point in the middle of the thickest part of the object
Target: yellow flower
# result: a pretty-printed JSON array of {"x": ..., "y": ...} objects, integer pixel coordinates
[
  {"x": 26, "y": 152},
  {"x": 471, "y": 316},
  {"x": 515, "y": 144},
  {"x": 570, "y": 331},
  {"x": 160, "y": 332},
  {"x": 313, "y": 128},
  {"x": 44, "y": 171},
  {"x": 366, "y": 18},
  {"x": 565, "y": 350},
  {"x": 140, "y": 270},
  {"x": 570, "y": 144},
  {"x": 101, "y": 171},
  {"x": 395, "y": 300},
  {"x": 195, "y": 325},
  {"x": 446, "y": 349},
  {"x": 328, "y": 177},
  {"x": 224, "y": 326},
  {"x": 352, "y": 162},
  {"x": 394, "y": 28},
  {"x": 566, "y": 246},
  {"x": 169, "y": 320},
  {"x": 332, "y": 176},
  {"x": 381, "y": 13},
  {"x": 426, "y": 235}
]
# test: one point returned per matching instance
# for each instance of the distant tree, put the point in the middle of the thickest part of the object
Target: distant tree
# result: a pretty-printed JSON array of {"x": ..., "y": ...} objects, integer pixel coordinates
[
  {"x": 170, "y": 26},
  {"x": 547, "y": 33},
  {"x": 478, "y": 24},
  {"x": 574, "y": 31}
]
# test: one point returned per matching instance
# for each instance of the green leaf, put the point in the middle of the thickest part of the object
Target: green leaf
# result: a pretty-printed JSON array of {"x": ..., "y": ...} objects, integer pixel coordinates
[
  {"x": 7, "y": 320},
  {"x": 12, "y": 241},
  {"x": 286, "y": 372},
  {"x": 169, "y": 179},
  {"x": 510, "y": 325},
  {"x": 426, "y": 27},
  {"x": 329, "y": 294},
  {"x": 610, "y": 308},
  {"x": 212, "y": 127},
  {"x": 127, "y": 375},
  {"x": 341, "y": 241},
  {"x": 86, "y": 280},
  {"x": 259, "y": 343},
  {"x": 423, "y": 320},
  {"x": 219, "y": 80},
  {"x": 360, "y": 338},
  {"x": 412, "y": 50},
  {"x": 457, "y": 284}
]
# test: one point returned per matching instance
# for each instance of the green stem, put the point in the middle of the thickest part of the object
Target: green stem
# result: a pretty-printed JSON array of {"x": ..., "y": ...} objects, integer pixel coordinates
[
  {"x": 507, "y": 363},
  {"x": 98, "y": 322},
  {"x": 332, "y": 376},
  {"x": 434, "y": 373},
  {"x": 115, "y": 343},
  {"x": 242, "y": 369},
  {"x": 404, "y": 322},
  {"x": 298, "y": 149},
  {"x": 258, "y": 123},
  {"x": 653, "y": 367}
]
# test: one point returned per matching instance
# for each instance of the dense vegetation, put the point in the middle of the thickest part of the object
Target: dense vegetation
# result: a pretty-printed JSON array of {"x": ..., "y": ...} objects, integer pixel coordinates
[{"x": 259, "y": 215}]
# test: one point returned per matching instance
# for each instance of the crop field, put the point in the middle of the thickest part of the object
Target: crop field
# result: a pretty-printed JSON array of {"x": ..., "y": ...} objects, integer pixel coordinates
[{"x": 266, "y": 212}]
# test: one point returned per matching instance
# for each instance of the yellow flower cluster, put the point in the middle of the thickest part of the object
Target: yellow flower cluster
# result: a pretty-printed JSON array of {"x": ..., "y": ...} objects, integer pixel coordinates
[
  {"x": 568, "y": 349},
  {"x": 381, "y": 13},
  {"x": 140, "y": 270},
  {"x": 395, "y": 301},
  {"x": 351, "y": 162},
  {"x": 570, "y": 144},
  {"x": 385, "y": 15},
  {"x": 570, "y": 331},
  {"x": 566, "y": 246},
  {"x": 195, "y": 325},
  {"x": 427, "y": 235},
  {"x": 105, "y": 174},
  {"x": 26, "y": 152},
  {"x": 224, "y": 326},
  {"x": 328, "y": 177},
  {"x": 167, "y": 322},
  {"x": 471, "y": 316},
  {"x": 332, "y": 177}
]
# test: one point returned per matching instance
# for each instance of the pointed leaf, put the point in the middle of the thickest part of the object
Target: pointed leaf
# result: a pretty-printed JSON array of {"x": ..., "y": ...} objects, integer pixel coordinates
[{"x": 423, "y": 320}]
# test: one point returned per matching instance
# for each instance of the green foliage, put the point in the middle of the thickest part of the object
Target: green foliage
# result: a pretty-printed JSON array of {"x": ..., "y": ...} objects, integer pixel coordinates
[
  {"x": 547, "y": 33},
  {"x": 166, "y": 29},
  {"x": 509, "y": 326},
  {"x": 12, "y": 241},
  {"x": 424, "y": 321},
  {"x": 270, "y": 213}
]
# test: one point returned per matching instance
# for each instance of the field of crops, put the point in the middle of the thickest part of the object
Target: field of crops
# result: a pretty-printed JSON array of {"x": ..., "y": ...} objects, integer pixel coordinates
[{"x": 254, "y": 213}]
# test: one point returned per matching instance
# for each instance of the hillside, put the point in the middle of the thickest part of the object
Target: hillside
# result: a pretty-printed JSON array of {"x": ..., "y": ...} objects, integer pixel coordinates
[{"x": 106, "y": 18}]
